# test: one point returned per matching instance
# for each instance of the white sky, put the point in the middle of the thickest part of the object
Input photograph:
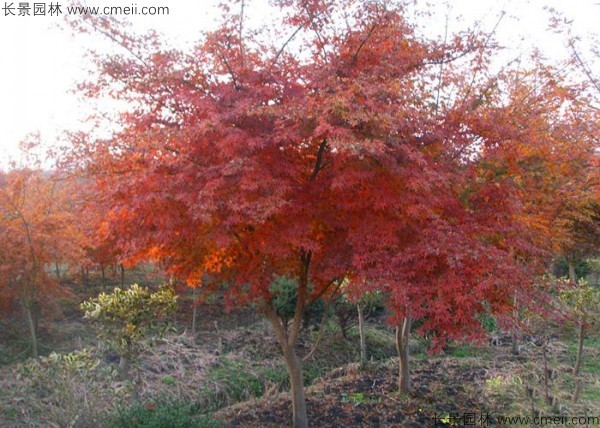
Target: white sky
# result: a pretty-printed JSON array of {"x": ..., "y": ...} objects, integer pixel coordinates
[{"x": 40, "y": 63}]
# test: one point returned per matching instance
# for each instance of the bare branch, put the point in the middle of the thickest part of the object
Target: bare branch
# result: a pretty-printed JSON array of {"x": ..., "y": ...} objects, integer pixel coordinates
[
  {"x": 584, "y": 67},
  {"x": 280, "y": 51},
  {"x": 440, "y": 76},
  {"x": 321, "y": 328},
  {"x": 230, "y": 70},
  {"x": 241, "y": 31},
  {"x": 485, "y": 44}
]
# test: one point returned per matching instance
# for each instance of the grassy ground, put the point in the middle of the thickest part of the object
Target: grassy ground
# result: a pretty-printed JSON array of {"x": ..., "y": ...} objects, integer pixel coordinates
[
  {"x": 231, "y": 374},
  {"x": 466, "y": 382}
]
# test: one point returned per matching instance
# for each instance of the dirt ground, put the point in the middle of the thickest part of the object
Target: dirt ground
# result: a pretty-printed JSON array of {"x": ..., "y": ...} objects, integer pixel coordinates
[{"x": 447, "y": 391}]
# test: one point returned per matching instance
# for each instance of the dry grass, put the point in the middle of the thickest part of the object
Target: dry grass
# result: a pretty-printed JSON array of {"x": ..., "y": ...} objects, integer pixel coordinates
[
  {"x": 214, "y": 371},
  {"x": 47, "y": 394}
]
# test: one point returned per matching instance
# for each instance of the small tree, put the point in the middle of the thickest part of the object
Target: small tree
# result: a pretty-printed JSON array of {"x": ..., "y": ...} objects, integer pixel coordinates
[
  {"x": 38, "y": 228},
  {"x": 346, "y": 308},
  {"x": 126, "y": 319},
  {"x": 584, "y": 306}
]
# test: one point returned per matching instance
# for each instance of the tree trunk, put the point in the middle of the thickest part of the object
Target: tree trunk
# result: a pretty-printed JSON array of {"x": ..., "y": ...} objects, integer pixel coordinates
[
  {"x": 122, "y": 268},
  {"x": 57, "y": 270},
  {"x": 343, "y": 326},
  {"x": 516, "y": 344},
  {"x": 402, "y": 339},
  {"x": 124, "y": 366},
  {"x": 361, "y": 331},
  {"x": 579, "y": 359},
  {"x": 572, "y": 273},
  {"x": 29, "y": 312},
  {"x": 125, "y": 373},
  {"x": 287, "y": 341},
  {"x": 194, "y": 310},
  {"x": 546, "y": 377},
  {"x": 578, "y": 363},
  {"x": 294, "y": 366}
]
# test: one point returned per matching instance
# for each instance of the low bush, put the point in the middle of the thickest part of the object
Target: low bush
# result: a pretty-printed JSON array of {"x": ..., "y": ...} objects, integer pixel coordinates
[{"x": 164, "y": 413}]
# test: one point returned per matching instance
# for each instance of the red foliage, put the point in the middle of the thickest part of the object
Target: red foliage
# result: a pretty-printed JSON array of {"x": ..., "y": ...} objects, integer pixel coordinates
[{"x": 248, "y": 159}]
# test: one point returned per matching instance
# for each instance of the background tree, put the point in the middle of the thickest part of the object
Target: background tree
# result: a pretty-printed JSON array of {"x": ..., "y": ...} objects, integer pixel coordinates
[
  {"x": 583, "y": 303},
  {"x": 545, "y": 145},
  {"x": 38, "y": 229}
]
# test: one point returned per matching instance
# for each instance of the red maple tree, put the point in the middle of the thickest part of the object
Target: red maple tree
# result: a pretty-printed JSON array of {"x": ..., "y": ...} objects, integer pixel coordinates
[{"x": 339, "y": 150}]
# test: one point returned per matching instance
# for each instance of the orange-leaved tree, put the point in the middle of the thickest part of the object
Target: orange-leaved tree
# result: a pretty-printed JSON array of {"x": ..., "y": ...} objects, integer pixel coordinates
[
  {"x": 38, "y": 228},
  {"x": 540, "y": 138}
]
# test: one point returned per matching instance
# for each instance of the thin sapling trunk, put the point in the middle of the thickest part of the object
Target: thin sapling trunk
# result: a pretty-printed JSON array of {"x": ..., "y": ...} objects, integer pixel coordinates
[
  {"x": 578, "y": 363},
  {"x": 402, "y": 346},
  {"x": 361, "y": 331}
]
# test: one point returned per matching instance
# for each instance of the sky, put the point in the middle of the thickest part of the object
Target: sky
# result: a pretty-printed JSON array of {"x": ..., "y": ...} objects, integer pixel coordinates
[{"x": 41, "y": 63}]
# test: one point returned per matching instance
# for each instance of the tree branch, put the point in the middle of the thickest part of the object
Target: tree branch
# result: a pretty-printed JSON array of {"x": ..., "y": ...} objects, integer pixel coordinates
[
  {"x": 441, "y": 74},
  {"x": 319, "y": 164},
  {"x": 321, "y": 328},
  {"x": 305, "y": 259},
  {"x": 241, "y": 30},
  {"x": 230, "y": 70},
  {"x": 584, "y": 67},
  {"x": 362, "y": 44},
  {"x": 487, "y": 40},
  {"x": 280, "y": 51},
  {"x": 278, "y": 325}
]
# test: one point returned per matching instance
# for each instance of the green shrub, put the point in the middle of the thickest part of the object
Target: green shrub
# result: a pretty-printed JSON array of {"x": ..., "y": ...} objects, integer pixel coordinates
[
  {"x": 169, "y": 380},
  {"x": 463, "y": 351},
  {"x": 285, "y": 295},
  {"x": 346, "y": 312},
  {"x": 68, "y": 389},
  {"x": 164, "y": 414},
  {"x": 489, "y": 323},
  {"x": 277, "y": 375},
  {"x": 126, "y": 320},
  {"x": 231, "y": 382},
  {"x": 582, "y": 268},
  {"x": 582, "y": 301}
]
